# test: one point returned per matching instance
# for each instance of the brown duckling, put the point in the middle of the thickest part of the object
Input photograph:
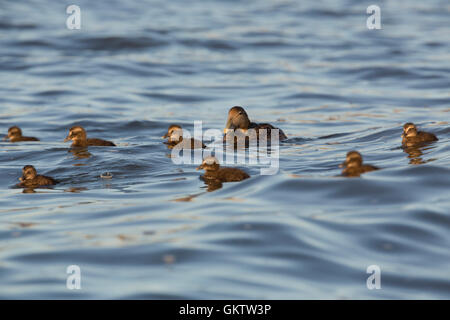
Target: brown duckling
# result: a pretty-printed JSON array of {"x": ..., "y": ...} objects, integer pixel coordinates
[
  {"x": 238, "y": 119},
  {"x": 353, "y": 165},
  {"x": 213, "y": 172},
  {"x": 411, "y": 137},
  {"x": 174, "y": 137},
  {"x": 78, "y": 135},
  {"x": 30, "y": 178},
  {"x": 15, "y": 135}
]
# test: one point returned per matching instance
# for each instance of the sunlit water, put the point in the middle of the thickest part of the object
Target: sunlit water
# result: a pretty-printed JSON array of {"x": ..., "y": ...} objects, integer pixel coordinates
[{"x": 153, "y": 230}]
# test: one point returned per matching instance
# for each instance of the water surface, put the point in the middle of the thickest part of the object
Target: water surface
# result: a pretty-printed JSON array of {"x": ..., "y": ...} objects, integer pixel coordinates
[{"x": 153, "y": 231}]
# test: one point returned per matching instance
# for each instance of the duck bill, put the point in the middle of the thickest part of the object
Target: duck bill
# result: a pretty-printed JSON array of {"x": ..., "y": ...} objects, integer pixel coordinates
[
  {"x": 21, "y": 179},
  {"x": 199, "y": 167},
  {"x": 67, "y": 139},
  {"x": 5, "y": 138},
  {"x": 165, "y": 136},
  {"x": 343, "y": 164},
  {"x": 228, "y": 126}
]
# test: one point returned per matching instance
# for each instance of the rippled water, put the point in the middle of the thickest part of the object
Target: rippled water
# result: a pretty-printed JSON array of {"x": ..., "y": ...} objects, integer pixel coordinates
[{"x": 153, "y": 231}]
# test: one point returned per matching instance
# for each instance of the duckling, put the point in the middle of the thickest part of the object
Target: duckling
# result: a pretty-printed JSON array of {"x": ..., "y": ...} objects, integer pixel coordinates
[
  {"x": 238, "y": 119},
  {"x": 15, "y": 135},
  {"x": 30, "y": 178},
  {"x": 215, "y": 174},
  {"x": 174, "y": 137},
  {"x": 411, "y": 137},
  {"x": 353, "y": 165},
  {"x": 78, "y": 135}
]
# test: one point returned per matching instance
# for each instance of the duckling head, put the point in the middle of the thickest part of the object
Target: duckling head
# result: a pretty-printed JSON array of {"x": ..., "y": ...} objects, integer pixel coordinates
[
  {"x": 76, "y": 133},
  {"x": 409, "y": 130},
  {"x": 28, "y": 173},
  {"x": 237, "y": 119},
  {"x": 209, "y": 164},
  {"x": 174, "y": 133},
  {"x": 353, "y": 159},
  {"x": 13, "y": 132}
]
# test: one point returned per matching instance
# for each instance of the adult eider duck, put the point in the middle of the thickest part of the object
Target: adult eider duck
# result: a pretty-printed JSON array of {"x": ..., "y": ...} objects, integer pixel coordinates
[
  {"x": 78, "y": 135},
  {"x": 411, "y": 137},
  {"x": 30, "y": 178},
  {"x": 214, "y": 173},
  {"x": 239, "y": 120},
  {"x": 353, "y": 165},
  {"x": 174, "y": 137},
  {"x": 15, "y": 135}
]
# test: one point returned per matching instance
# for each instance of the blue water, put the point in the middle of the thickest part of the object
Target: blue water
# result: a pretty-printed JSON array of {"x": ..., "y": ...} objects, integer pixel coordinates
[{"x": 153, "y": 230}]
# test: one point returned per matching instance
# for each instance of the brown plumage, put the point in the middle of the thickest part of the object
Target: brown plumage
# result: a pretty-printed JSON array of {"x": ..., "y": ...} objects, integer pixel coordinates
[
  {"x": 215, "y": 174},
  {"x": 411, "y": 137},
  {"x": 174, "y": 137},
  {"x": 353, "y": 165},
  {"x": 15, "y": 135},
  {"x": 78, "y": 135},
  {"x": 239, "y": 120},
  {"x": 30, "y": 178}
]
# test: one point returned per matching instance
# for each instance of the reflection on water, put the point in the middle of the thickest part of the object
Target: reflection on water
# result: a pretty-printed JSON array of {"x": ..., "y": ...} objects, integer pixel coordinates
[
  {"x": 212, "y": 185},
  {"x": 415, "y": 153},
  {"x": 154, "y": 231},
  {"x": 188, "y": 198},
  {"x": 28, "y": 190},
  {"x": 80, "y": 153},
  {"x": 75, "y": 189}
]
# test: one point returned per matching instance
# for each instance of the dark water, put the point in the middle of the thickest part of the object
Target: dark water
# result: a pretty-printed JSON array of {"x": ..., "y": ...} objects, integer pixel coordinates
[{"x": 153, "y": 231}]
